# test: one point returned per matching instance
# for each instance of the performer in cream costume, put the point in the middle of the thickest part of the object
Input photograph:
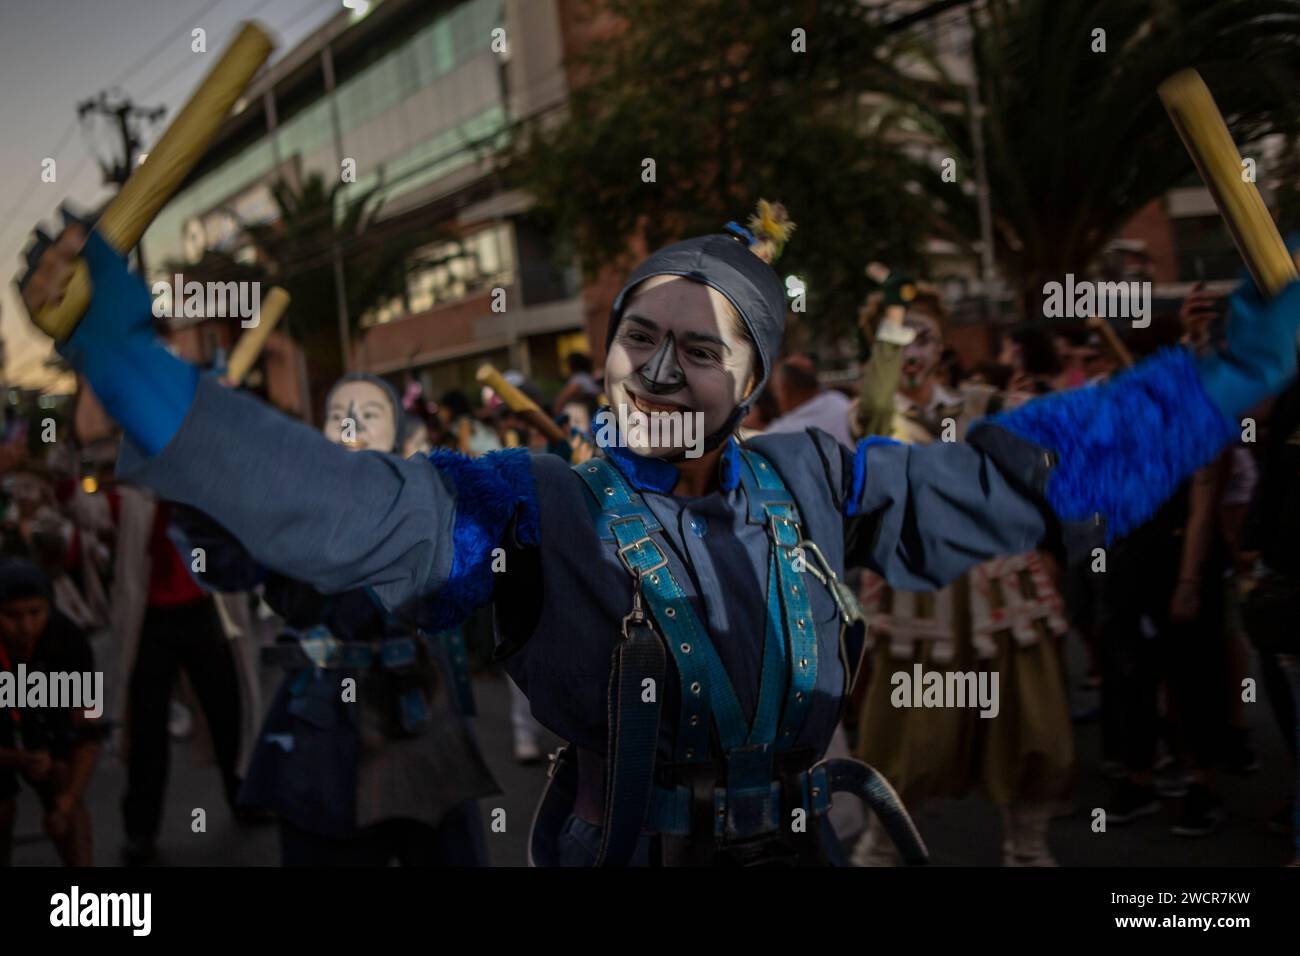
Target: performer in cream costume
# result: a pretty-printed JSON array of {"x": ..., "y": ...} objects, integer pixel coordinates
[{"x": 1004, "y": 617}]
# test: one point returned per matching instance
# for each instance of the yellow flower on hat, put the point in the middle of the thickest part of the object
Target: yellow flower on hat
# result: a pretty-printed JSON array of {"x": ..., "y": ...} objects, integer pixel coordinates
[{"x": 771, "y": 227}]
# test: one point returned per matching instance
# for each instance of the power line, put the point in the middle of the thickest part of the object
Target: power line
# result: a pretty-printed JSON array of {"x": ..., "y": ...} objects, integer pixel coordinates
[
  {"x": 187, "y": 57},
  {"x": 186, "y": 25},
  {"x": 11, "y": 216},
  {"x": 301, "y": 15},
  {"x": 12, "y": 220}
]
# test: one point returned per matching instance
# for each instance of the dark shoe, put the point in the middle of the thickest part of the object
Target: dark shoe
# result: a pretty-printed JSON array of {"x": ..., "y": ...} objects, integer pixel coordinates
[
  {"x": 1129, "y": 801},
  {"x": 139, "y": 851},
  {"x": 1200, "y": 814}
]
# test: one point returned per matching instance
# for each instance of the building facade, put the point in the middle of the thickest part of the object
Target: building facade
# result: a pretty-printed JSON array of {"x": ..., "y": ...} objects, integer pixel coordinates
[{"x": 407, "y": 107}]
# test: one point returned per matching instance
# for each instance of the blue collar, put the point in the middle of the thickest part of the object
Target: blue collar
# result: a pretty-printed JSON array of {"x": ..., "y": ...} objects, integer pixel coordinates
[{"x": 660, "y": 477}]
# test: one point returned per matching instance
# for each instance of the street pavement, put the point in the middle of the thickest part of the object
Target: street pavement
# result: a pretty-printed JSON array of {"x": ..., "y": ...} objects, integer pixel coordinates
[{"x": 958, "y": 832}]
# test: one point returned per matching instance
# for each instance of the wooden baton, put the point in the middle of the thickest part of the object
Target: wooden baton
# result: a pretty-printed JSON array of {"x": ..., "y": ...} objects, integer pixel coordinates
[
  {"x": 251, "y": 343},
  {"x": 1195, "y": 115},
  {"x": 521, "y": 403},
  {"x": 172, "y": 158}
]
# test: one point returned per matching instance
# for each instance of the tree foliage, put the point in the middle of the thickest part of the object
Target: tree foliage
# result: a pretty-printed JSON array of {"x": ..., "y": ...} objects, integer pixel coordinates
[
  {"x": 296, "y": 250},
  {"x": 719, "y": 95},
  {"x": 1077, "y": 141}
]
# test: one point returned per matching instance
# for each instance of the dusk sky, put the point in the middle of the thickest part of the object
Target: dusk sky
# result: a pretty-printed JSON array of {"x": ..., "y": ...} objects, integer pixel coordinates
[{"x": 55, "y": 53}]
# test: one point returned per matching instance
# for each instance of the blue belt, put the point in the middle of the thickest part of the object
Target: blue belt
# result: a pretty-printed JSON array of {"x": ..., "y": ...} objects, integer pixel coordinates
[{"x": 318, "y": 649}]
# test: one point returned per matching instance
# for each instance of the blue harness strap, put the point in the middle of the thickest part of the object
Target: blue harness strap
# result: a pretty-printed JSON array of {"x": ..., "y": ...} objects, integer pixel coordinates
[
  {"x": 787, "y": 600},
  {"x": 632, "y": 740},
  {"x": 750, "y": 803},
  {"x": 705, "y": 690},
  {"x": 751, "y": 800}
]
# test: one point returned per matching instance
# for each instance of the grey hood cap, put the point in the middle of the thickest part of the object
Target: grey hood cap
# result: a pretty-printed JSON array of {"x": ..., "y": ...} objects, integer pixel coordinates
[
  {"x": 722, "y": 262},
  {"x": 399, "y": 417}
]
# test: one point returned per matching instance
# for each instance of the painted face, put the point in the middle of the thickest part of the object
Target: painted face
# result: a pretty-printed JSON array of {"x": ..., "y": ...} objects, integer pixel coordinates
[
  {"x": 360, "y": 416},
  {"x": 921, "y": 357},
  {"x": 678, "y": 351},
  {"x": 579, "y": 417}
]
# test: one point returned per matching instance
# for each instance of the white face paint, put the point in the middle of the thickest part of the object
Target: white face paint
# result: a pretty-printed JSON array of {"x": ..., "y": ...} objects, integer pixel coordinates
[
  {"x": 716, "y": 361},
  {"x": 579, "y": 417},
  {"x": 922, "y": 356},
  {"x": 360, "y": 416}
]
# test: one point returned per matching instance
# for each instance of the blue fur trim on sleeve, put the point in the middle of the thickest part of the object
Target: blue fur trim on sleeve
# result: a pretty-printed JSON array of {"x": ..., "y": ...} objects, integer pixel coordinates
[
  {"x": 860, "y": 470},
  {"x": 490, "y": 491},
  {"x": 1125, "y": 446}
]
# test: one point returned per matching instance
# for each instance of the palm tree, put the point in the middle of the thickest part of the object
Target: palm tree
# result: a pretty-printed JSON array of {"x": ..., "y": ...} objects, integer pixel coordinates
[
  {"x": 1076, "y": 139},
  {"x": 297, "y": 249}
]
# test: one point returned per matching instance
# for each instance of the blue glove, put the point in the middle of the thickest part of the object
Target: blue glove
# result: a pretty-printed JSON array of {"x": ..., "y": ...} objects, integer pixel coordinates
[
  {"x": 145, "y": 388},
  {"x": 1259, "y": 358}
]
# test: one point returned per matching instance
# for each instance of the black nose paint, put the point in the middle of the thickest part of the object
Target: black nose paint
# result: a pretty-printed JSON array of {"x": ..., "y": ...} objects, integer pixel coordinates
[
  {"x": 661, "y": 374},
  {"x": 356, "y": 419}
]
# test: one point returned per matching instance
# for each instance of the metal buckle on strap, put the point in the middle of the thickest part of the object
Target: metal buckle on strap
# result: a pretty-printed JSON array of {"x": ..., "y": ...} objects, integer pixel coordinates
[
  {"x": 321, "y": 648},
  {"x": 772, "y": 519},
  {"x": 637, "y": 545}
]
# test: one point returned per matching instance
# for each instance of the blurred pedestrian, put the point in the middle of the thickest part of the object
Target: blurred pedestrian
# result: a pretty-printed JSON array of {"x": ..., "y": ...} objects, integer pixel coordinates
[
  {"x": 53, "y": 749},
  {"x": 805, "y": 404}
]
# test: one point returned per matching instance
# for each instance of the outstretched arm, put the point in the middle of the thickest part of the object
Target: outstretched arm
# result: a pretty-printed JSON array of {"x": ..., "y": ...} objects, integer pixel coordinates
[
  {"x": 920, "y": 515},
  {"x": 300, "y": 505},
  {"x": 1084, "y": 467}
]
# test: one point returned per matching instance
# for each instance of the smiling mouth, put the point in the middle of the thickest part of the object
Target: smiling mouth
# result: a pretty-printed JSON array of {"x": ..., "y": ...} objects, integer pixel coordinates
[{"x": 650, "y": 408}]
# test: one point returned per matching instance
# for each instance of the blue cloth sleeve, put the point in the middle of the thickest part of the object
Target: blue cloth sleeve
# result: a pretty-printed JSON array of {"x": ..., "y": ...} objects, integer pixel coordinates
[
  {"x": 145, "y": 388},
  {"x": 1259, "y": 357},
  {"x": 312, "y": 511},
  {"x": 920, "y": 515},
  {"x": 227, "y": 566}
]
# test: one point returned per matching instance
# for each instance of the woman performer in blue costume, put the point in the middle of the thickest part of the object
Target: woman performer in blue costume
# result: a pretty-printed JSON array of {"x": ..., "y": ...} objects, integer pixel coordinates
[
  {"x": 384, "y": 767},
  {"x": 653, "y": 604}
]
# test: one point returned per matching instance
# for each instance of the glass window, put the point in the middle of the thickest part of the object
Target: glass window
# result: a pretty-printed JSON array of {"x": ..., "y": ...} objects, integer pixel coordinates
[
  {"x": 307, "y": 131},
  {"x": 463, "y": 32},
  {"x": 457, "y": 270},
  {"x": 488, "y": 15},
  {"x": 444, "y": 46}
]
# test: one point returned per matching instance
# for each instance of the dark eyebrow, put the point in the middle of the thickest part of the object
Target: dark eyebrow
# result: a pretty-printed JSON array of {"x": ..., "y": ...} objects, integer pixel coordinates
[
  {"x": 705, "y": 337},
  {"x": 687, "y": 336},
  {"x": 641, "y": 320}
]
